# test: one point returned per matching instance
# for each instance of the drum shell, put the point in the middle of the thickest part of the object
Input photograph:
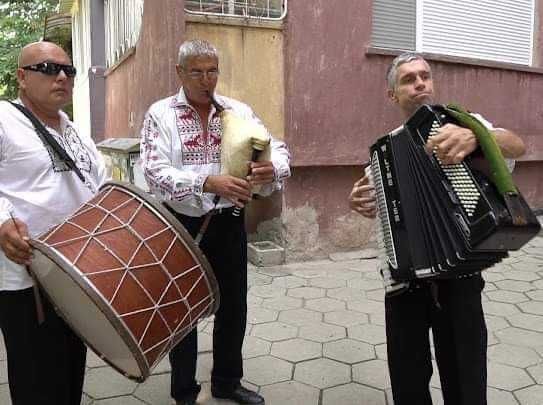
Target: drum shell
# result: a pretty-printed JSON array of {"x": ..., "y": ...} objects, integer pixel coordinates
[{"x": 127, "y": 277}]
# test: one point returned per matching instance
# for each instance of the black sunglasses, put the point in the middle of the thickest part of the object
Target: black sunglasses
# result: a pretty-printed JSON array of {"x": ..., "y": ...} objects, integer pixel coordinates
[{"x": 52, "y": 69}]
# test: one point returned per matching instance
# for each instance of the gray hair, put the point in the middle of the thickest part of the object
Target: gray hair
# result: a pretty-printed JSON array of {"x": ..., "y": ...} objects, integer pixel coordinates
[
  {"x": 195, "y": 47},
  {"x": 397, "y": 62}
]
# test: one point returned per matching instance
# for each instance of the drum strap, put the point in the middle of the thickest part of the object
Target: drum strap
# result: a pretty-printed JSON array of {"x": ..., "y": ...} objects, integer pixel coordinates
[
  {"x": 207, "y": 218},
  {"x": 49, "y": 140}
]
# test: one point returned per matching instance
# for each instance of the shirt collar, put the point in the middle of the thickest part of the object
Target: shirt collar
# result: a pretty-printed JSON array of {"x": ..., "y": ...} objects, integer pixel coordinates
[
  {"x": 180, "y": 100},
  {"x": 64, "y": 119}
]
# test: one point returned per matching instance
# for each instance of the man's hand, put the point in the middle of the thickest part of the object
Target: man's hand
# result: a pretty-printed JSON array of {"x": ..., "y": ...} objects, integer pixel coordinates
[
  {"x": 238, "y": 191},
  {"x": 261, "y": 173},
  {"x": 362, "y": 198},
  {"x": 452, "y": 143},
  {"x": 14, "y": 241}
]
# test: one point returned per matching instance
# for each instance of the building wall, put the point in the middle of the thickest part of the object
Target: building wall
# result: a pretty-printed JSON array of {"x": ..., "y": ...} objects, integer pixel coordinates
[
  {"x": 336, "y": 108},
  {"x": 148, "y": 74}
]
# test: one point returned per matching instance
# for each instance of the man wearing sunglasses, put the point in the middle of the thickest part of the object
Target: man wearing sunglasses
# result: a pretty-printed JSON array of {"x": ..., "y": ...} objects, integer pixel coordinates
[{"x": 39, "y": 188}]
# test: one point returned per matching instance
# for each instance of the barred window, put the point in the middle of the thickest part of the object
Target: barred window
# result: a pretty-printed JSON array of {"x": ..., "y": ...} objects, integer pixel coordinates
[
  {"x": 123, "y": 24},
  {"x": 493, "y": 30},
  {"x": 259, "y": 9}
]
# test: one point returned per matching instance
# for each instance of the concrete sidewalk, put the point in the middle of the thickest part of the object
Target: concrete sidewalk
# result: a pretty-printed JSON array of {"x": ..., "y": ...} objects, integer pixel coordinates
[{"x": 315, "y": 336}]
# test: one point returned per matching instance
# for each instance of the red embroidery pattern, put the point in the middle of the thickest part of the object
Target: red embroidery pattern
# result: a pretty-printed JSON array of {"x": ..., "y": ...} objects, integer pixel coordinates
[{"x": 198, "y": 148}]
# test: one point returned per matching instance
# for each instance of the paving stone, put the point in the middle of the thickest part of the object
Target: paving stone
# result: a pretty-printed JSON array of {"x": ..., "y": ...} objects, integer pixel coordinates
[
  {"x": 531, "y": 395},
  {"x": 282, "y": 303},
  {"x": 204, "y": 366},
  {"x": 378, "y": 319},
  {"x": 155, "y": 390},
  {"x": 499, "y": 308},
  {"x": 353, "y": 393},
  {"x": 516, "y": 356},
  {"x": 535, "y": 295},
  {"x": 499, "y": 397},
  {"x": 205, "y": 342},
  {"x": 512, "y": 285},
  {"x": 348, "y": 351},
  {"x": 522, "y": 275},
  {"x": 290, "y": 392},
  {"x": 3, "y": 371},
  {"x": 267, "y": 291},
  {"x": 507, "y": 378},
  {"x": 300, "y": 317},
  {"x": 372, "y": 334},
  {"x": 492, "y": 276},
  {"x": 261, "y": 315},
  {"x": 205, "y": 397},
  {"x": 254, "y": 279},
  {"x": 267, "y": 370},
  {"x": 346, "y": 294},
  {"x": 94, "y": 361},
  {"x": 376, "y": 295},
  {"x": 310, "y": 273},
  {"x": 373, "y": 373},
  {"x": 506, "y": 296},
  {"x": 365, "y": 266},
  {"x": 532, "y": 307},
  {"x": 2, "y": 348},
  {"x": 289, "y": 282},
  {"x": 4, "y": 394},
  {"x": 296, "y": 350},
  {"x": 494, "y": 323},
  {"x": 516, "y": 336},
  {"x": 538, "y": 284},
  {"x": 366, "y": 306},
  {"x": 104, "y": 382},
  {"x": 327, "y": 282},
  {"x": 275, "y": 331},
  {"x": 322, "y": 373},
  {"x": 306, "y": 292},
  {"x": 536, "y": 372},
  {"x": 381, "y": 351},
  {"x": 527, "y": 321},
  {"x": 344, "y": 274},
  {"x": 345, "y": 318},
  {"x": 354, "y": 255},
  {"x": 365, "y": 284},
  {"x": 322, "y": 332},
  {"x": 254, "y": 347},
  {"x": 325, "y": 304},
  {"x": 129, "y": 400}
]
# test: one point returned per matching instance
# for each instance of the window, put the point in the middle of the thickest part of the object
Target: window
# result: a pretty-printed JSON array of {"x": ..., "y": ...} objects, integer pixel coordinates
[
  {"x": 496, "y": 30},
  {"x": 260, "y": 9},
  {"x": 122, "y": 20}
]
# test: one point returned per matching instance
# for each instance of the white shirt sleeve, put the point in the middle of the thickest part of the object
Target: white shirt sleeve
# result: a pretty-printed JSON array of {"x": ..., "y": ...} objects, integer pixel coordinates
[
  {"x": 157, "y": 163},
  {"x": 5, "y": 206}
]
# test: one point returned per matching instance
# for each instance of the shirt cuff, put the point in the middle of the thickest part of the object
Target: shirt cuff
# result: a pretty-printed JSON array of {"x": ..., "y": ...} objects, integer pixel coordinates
[
  {"x": 4, "y": 216},
  {"x": 198, "y": 188}
]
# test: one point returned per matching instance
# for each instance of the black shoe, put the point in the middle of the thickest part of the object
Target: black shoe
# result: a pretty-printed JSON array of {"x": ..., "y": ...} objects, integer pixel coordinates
[
  {"x": 240, "y": 394},
  {"x": 189, "y": 401}
]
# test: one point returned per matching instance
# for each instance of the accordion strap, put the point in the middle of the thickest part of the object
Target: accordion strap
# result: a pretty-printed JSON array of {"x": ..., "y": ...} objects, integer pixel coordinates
[{"x": 49, "y": 140}]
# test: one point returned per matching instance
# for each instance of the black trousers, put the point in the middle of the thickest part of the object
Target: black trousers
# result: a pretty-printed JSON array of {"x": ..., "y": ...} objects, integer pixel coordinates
[
  {"x": 46, "y": 363},
  {"x": 225, "y": 246},
  {"x": 460, "y": 342}
]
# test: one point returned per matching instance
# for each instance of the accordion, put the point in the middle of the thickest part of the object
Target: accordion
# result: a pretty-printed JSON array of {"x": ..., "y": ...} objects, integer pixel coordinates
[{"x": 439, "y": 220}]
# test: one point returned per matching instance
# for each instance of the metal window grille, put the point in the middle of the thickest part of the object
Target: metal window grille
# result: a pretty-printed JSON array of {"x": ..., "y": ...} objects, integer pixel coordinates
[
  {"x": 123, "y": 24},
  {"x": 259, "y": 9}
]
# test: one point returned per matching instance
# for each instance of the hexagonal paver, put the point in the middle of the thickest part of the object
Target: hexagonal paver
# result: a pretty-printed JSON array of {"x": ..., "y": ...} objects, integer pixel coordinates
[
  {"x": 507, "y": 378},
  {"x": 366, "y": 306},
  {"x": 510, "y": 297},
  {"x": 254, "y": 347},
  {"x": 536, "y": 372},
  {"x": 499, "y": 397},
  {"x": 532, "y": 307},
  {"x": 530, "y": 395},
  {"x": 373, "y": 334},
  {"x": 345, "y": 318},
  {"x": 289, "y": 282},
  {"x": 105, "y": 382},
  {"x": 327, "y": 282},
  {"x": 94, "y": 361},
  {"x": 376, "y": 295},
  {"x": 516, "y": 336},
  {"x": 348, "y": 351},
  {"x": 275, "y": 331},
  {"x": 325, "y": 304},
  {"x": 290, "y": 392},
  {"x": 373, "y": 373},
  {"x": 365, "y": 284},
  {"x": 495, "y": 323},
  {"x": 344, "y": 394},
  {"x": 322, "y": 373},
  {"x": 346, "y": 294},
  {"x": 535, "y": 295},
  {"x": 254, "y": 278},
  {"x": 204, "y": 366},
  {"x": 267, "y": 291},
  {"x": 261, "y": 315},
  {"x": 309, "y": 273},
  {"x": 282, "y": 303},
  {"x": 266, "y": 370},
  {"x": 296, "y": 350},
  {"x": 521, "y": 357},
  {"x": 512, "y": 285},
  {"x": 300, "y": 317},
  {"x": 322, "y": 332},
  {"x": 306, "y": 292},
  {"x": 343, "y": 274},
  {"x": 155, "y": 390},
  {"x": 527, "y": 321},
  {"x": 120, "y": 401},
  {"x": 499, "y": 308},
  {"x": 522, "y": 275}
]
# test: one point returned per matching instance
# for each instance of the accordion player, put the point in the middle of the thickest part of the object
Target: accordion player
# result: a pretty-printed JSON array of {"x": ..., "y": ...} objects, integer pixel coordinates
[{"x": 443, "y": 221}]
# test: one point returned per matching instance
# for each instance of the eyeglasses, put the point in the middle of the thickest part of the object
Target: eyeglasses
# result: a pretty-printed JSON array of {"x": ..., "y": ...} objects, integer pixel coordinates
[
  {"x": 51, "y": 69},
  {"x": 199, "y": 74}
]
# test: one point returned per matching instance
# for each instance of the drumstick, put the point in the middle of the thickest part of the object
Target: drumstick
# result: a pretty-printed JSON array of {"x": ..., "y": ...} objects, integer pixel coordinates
[{"x": 40, "y": 315}]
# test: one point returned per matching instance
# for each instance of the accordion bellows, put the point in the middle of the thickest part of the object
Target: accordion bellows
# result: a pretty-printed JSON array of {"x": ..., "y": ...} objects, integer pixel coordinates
[
  {"x": 439, "y": 220},
  {"x": 239, "y": 138}
]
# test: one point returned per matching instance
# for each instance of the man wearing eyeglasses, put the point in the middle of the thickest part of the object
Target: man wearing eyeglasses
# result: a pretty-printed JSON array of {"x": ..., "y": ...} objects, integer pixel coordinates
[
  {"x": 39, "y": 188},
  {"x": 181, "y": 150}
]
